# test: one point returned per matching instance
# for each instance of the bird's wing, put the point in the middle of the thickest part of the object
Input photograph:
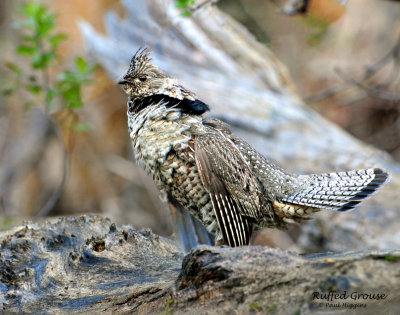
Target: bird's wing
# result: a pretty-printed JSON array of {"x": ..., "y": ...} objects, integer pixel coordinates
[{"x": 226, "y": 175}]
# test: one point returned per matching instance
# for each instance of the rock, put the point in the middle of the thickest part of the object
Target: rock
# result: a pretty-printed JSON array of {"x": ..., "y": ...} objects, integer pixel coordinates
[{"x": 89, "y": 265}]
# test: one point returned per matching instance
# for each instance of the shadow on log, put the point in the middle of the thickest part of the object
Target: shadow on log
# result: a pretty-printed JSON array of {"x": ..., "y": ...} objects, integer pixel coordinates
[{"x": 86, "y": 264}]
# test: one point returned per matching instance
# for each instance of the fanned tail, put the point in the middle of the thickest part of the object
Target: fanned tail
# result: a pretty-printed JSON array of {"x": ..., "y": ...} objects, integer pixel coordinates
[{"x": 339, "y": 191}]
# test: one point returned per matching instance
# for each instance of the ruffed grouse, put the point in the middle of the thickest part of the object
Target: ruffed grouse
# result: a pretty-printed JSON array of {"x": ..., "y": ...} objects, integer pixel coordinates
[{"x": 224, "y": 182}]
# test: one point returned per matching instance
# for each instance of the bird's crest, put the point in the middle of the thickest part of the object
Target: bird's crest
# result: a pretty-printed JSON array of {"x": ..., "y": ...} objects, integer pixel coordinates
[{"x": 139, "y": 61}]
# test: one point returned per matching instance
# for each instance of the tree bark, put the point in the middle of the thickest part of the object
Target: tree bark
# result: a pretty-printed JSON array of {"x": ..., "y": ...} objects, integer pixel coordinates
[{"x": 86, "y": 264}]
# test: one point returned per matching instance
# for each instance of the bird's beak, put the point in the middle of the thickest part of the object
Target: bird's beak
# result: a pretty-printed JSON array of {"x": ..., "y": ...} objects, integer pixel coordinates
[{"x": 123, "y": 81}]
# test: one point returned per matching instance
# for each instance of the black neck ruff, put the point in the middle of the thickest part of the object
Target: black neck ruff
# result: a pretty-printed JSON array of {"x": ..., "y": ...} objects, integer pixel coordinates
[{"x": 194, "y": 107}]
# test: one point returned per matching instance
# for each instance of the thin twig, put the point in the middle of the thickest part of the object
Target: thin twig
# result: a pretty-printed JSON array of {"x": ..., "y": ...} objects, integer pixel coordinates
[
  {"x": 371, "y": 90},
  {"x": 392, "y": 54},
  {"x": 325, "y": 93},
  {"x": 45, "y": 76},
  {"x": 57, "y": 193},
  {"x": 202, "y": 4}
]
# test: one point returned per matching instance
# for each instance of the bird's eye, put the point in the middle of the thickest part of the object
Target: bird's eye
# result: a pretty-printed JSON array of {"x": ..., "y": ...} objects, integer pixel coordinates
[{"x": 142, "y": 78}]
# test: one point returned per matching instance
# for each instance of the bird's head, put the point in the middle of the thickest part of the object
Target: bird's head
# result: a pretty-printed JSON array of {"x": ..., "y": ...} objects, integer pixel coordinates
[
  {"x": 143, "y": 78},
  {"x": 146, "y": 84}
]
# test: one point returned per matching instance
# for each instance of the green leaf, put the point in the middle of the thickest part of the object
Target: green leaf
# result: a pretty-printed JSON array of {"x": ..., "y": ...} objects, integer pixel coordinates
[
  {"x": 45, "y": 24},
  {"x": 40, "y": 43},
  {"x": 81, "y": 64},
  {"x": 55, "y": 39},
  {"x": 391, "y": 258},
  {"x": 82, "y": 126},
  {"x": 70, "y": 89},
  {"x": 39, "y": 19},
  {"x": 34, "y": 88},
  {"x": 26, "y": 50},
  {"x": 50, "y": 94},
  {"x": 31, "y": 9},
  {"x": 183, "y": 3},
  {"x": 74, "y": 100},
  {"x": 185, "y": 13},
  {"x": 13, "y": 67},
  {"x": 320, "y": 27},
  {"x": 40, "y": 61}
]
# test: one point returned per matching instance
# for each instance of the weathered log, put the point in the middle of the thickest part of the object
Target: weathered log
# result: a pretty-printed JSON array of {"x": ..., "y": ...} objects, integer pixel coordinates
[
  {"x": 86, "y": 264},
  {"x": 248, "y": 87}
]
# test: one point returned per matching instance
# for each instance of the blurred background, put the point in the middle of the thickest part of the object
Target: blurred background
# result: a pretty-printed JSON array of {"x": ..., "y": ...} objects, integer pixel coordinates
[{"x": 64, "y": 146}]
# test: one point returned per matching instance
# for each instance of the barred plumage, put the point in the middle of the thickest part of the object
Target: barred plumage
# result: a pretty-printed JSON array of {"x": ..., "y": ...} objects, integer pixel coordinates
[
  {"x": 339, "y": 191},
  {"x": 226, "y": 184}
]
